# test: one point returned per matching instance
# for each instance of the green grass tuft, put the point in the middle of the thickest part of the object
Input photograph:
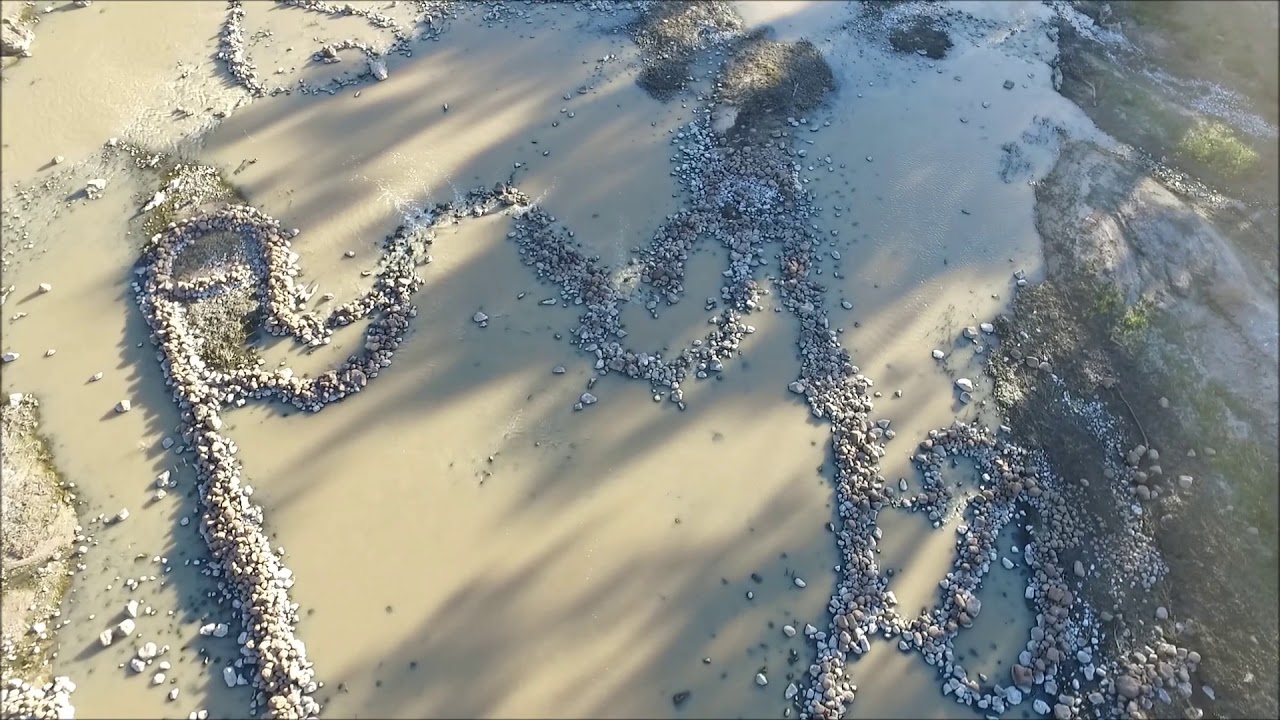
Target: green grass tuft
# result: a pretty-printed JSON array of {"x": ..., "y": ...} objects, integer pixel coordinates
[{"x": 1217, "y": 146}]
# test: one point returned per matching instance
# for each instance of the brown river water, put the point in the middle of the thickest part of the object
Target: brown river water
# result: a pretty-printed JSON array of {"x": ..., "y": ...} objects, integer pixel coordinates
[{"x": 464, "y": 543}]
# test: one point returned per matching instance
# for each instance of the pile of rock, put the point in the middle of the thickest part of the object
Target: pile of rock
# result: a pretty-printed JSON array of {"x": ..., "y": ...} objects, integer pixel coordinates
[
  {"x": 374, "y": 17},
  {"x": 51, "y": 701},
  {"x": 232, "y": 50}
]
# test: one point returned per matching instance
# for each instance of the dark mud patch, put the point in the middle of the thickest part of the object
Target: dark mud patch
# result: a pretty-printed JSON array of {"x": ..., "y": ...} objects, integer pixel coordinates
[
  {"x": 921, "y": 36},
  {"x": 206, "y": 253},
  {"x": 771, "y": 82},
  {"x": 670, "y": 35}
]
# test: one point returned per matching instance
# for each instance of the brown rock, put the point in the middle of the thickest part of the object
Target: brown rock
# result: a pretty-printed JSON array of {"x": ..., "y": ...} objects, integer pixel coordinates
[{"x": 1022, "y": 677}]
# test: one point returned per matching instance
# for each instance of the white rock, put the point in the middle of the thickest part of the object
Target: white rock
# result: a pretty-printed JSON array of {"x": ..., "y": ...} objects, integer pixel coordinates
[
  {"x": 587, "y": 398},
  {"x": 106, "y": 637},
  {"x": 207, "y": 629},
  {"x": 131, "y": 608},
  {"x": 137, "y": 665},
  {"x": 965, "y": 384},
  {"x": 173, "y": 694},
  {"x": 125, "y": 628},
  {"x": 761, "y": 680},
  {"x": 987, "y": 328},
  {"x": 10, "y": 357},
  {"x": 791, "y": 691},
  {"x": 229, "y": 676},
  {"x": 1007, "y": 563},
  {"x": 1013, "y": 695},
  {"x": 39, "y": 628},
  {"x": 1040, "y": 706},
  {"x": 479, "y": 317},
  {"x": 15, "y": 399},
  {"x": 938, "y": 354},
  {"x": 796, "y": 387},
  {"x": 45, "y": 287},
  {"x": 122, "y": 515},
  {"x": 158, "y": 679},
  {"x": 789, "y": 630},
  {"x": 148, "y": 650},
  {"x": 96, "y": 377},
  {"x": 378, "y": 67},
  {"x": 124, "y": 406},
  {"x": 799, "y": 583},
  {"x": 220, "y": 630}
]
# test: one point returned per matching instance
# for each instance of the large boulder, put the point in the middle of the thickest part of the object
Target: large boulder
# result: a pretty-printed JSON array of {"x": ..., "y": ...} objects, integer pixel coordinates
[
  {"x": 1128, "y": 687},
  {"x": 15, "y": 38},
  {"x": 1022, "y": 677}
]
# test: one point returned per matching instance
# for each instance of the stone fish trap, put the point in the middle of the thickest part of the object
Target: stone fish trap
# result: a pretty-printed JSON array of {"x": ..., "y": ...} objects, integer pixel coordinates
[{"x": 252, "y": 577}]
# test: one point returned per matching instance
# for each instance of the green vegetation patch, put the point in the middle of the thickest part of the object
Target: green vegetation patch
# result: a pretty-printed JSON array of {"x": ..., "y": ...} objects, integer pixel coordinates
[
  {"x": 1218, "y": 147},
  {"x": 224, "y": 324}
]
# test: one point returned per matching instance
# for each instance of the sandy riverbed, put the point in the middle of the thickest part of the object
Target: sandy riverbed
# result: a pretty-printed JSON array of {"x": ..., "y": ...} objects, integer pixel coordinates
[{"x": 465, "y": 543}]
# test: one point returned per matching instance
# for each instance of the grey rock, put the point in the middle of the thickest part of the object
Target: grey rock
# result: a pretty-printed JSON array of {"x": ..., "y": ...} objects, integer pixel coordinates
[{"x": 15, "y": 38}]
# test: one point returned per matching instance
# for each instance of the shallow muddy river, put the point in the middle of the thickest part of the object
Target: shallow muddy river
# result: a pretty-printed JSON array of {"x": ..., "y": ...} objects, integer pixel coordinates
[{"x": 464, "y": 543}]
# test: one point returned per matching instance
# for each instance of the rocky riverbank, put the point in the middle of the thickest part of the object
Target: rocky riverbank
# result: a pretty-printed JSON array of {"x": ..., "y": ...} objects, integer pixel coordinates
[{"x": 39, "y": 528}]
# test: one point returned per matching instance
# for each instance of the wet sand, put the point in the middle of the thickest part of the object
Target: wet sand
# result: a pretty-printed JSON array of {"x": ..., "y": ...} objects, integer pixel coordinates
[{"x": 599, "y": 556}]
